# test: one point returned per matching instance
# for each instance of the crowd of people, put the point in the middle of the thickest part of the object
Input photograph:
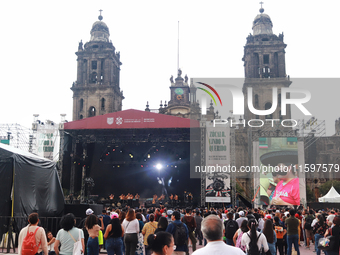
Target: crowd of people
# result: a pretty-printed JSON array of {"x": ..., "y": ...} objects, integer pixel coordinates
[{"x": 175, "y": 231}]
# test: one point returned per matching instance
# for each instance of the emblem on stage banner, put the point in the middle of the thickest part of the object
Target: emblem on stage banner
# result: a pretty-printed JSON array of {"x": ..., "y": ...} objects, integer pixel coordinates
[
  {"x": 119, "y": 121},
  {"x": 110, "y": 121}
]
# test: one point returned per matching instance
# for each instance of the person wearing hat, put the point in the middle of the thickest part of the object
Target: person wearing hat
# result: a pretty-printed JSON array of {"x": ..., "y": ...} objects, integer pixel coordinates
[
  {"x": 81, "y": 225},
  {"x": 287, "y": 191},
  {"x": 241, "y": 219}
]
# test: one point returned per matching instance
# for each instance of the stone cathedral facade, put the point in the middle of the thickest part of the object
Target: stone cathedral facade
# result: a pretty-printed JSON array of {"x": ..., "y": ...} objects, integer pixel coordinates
[{"x": 97, "y": 89}]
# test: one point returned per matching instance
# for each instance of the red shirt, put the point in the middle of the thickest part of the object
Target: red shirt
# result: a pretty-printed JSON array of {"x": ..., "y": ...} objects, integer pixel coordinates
[{"x": 289, "y": 192}]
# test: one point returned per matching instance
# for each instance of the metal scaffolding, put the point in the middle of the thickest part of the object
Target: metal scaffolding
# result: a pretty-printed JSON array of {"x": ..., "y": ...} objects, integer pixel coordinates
[{"x": 17, "y": 136}]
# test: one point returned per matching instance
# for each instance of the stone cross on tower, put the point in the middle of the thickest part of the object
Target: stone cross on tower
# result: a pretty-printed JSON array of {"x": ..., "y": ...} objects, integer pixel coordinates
[
  {"x": 261, "y": 9},
  {"x": 100, "y": 17}
]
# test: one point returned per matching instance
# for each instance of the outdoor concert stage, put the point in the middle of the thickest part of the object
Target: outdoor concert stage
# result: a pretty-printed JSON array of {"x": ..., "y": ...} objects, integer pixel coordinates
[{"x": 130, "y": 152}]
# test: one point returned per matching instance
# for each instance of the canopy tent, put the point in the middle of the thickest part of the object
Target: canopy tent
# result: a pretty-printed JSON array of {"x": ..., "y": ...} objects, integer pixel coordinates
[
  {"x": 331, "y": 197},
  {"x": 28, "y": 184}
]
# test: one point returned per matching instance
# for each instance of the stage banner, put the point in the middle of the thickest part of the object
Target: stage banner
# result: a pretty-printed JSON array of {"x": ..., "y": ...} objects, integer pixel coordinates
[
  {"x": 217, "y": 164},
  {"x": 282, "y": 179},
  {"x": 47, "y": 141}
]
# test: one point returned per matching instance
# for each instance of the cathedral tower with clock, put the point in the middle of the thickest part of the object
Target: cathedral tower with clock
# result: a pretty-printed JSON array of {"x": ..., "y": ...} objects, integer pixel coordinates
[
  {"x": 179, "y": 104},
  {"x": 97, "y": 89}
]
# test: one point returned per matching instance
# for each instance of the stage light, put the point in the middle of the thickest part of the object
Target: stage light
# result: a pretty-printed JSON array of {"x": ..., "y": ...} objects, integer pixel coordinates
[
  {"x": 159, "y": 166},
  {"x": 175, "y": 166},
  {"x": 148, "y": 155},
  {"x": 113, "y": 149},
  {"x": 131, "y": 156},
  {"x": 141, "y": 165}
]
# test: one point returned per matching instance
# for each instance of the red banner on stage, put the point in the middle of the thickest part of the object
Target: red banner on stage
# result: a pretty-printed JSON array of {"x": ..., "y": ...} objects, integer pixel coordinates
[{"x": 131, "y": 119}]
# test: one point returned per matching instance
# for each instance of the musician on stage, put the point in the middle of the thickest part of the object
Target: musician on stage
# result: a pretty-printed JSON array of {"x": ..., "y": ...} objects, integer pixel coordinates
[
  {"x": 176, "y": 199},
  {"x": 129, "y": 198},
  {"x": 122, "y": 199},
  {"x": 171, "y": 197},
  {"x": 154, "y": 199},
  {"x": 137, "y": 196},
  {"x": 190, "y": 197}
]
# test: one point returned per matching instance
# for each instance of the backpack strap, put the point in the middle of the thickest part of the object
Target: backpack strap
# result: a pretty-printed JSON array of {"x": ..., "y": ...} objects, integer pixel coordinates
[{"x": 34, "y": 233}]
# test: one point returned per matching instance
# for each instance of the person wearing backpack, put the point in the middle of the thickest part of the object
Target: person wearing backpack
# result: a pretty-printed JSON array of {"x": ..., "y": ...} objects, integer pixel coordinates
[
  {"x": 180, "y": 232},
  {"x": 254, "y": 240},
  {"x": 307, "y": 226},
  {"x": 32, "y": 236},
  {"x": 280, "y": 233},
  {"x": 230, "y": 227}
]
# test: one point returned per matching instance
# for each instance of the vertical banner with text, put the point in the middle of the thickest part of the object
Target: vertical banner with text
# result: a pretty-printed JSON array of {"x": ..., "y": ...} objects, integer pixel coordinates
[{"x": 217, "y": 157}]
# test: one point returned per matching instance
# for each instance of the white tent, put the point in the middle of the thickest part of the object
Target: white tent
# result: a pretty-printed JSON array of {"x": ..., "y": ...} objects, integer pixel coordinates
[{"x": 331, "y": 197}]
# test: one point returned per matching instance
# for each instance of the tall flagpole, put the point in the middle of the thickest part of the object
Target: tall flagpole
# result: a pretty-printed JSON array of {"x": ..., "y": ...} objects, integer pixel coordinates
[{"x": 178, "y": 49}]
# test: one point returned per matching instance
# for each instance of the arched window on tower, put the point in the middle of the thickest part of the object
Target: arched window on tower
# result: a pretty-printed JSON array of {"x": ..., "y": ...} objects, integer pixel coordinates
[
  {"x": 256, "y": 100},
  {"x": 92, "y": 111},
  {"x": 81, "y": 117},
  {"x": 267, "y": 106},
  {"x": 257, "y": 65},
  {"x": 94, "y": 77},
  {"x": 276, "y": 64},
  {"x": 102, "y": 103},
  {"x": 81, "y": 104}
]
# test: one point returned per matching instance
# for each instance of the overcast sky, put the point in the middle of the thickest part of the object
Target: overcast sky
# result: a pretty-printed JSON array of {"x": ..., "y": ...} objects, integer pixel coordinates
[{"x": 39, "y": 40}]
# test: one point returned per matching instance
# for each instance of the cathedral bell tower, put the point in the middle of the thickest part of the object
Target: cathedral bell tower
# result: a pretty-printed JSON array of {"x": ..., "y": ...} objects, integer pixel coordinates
[
  {"x": 265, "y": 69},
  {"x": 179, "y": 104},
  {"x": 97, "y": 89}
]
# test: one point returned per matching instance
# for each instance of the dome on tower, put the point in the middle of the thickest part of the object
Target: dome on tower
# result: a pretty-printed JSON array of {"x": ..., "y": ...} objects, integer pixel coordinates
[
  {"x": 100, "y": 32},
  {"x": 262, "y": 24}
]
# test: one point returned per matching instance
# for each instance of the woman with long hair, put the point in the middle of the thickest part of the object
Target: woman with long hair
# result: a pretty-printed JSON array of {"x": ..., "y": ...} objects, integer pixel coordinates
[
  {"x": 161, "y": 243},
  {"x": 319, "y": 231},
  {"x": 254, "y": 240},
  {"x": 113, "y": 234},
  {"x": 334, "y": 231},
  {"x": 93, "y": 228},
  {"x": 280, "y": 233},
  {"x": 238, "y": 235},
  {"x": 268, "y": 231},
  {"x": 68, "y": 235},
  {"x": 162, "y": 224},
  {"x": 131, "y": 228}
]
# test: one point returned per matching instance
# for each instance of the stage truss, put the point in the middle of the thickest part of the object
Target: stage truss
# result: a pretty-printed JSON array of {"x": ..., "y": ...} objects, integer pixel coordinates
[{"x": 17, "y": 136}]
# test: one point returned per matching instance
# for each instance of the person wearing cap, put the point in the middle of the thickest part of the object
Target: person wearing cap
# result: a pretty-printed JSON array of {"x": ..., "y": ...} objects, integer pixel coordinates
[
  {"x": 241, "y": 219},
  {"x": 113, "y": 236},
  {"x": 287, "y": 191},
  {"x": 212, "y": 229},
  {"x": 81, "y": 225}
]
